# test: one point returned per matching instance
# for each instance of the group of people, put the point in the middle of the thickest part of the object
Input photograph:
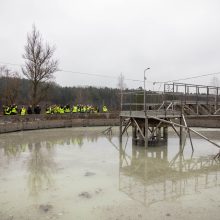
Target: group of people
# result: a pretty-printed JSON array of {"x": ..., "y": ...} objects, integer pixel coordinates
[
  {"x": 59, "y": 109},
  {"x": 14, "y": 110},
  {"x": 54, "y": 109}
]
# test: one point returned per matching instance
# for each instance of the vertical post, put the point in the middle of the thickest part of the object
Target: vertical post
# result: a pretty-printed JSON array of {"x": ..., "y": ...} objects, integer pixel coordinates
[
  {"x": 165, "y": 132},
  {"x": 121, "y": 100},
  {"x": 136, "y": 101},
  {"x": 120, "y": 129},
  {"x": 197, "y": 106},
  {"x": 158, "y": 134},
  {"x": 181, "y": 131},
  {"x": 197, "y": 97},
  {"x": 216, "y": 99},
  {"x": 144, "y": 94},
  {"x": 207, "y": 88},
  {"x": 146, "y": 132},
  {"x": 145, "y": 90},
  {"x": 134, "y": 133},
  {"x": 130, "y": 102},
  {"x": 120, "y": 154}
]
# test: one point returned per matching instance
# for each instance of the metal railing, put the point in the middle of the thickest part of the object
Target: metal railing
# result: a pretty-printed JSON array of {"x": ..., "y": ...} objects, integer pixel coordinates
[{"x": 134, "y": 100}]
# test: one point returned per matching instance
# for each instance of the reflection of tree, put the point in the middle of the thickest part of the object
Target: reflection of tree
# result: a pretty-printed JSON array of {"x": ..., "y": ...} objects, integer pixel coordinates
[
  {"x": 41, "y": 146},
  {"x": 14, "y": 145},
  {"x": 40, "y": 167},
  {"x": 14, "y": 150}
]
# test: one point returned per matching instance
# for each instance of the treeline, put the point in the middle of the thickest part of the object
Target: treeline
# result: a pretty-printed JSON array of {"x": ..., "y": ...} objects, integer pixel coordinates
[{"x": 17, "y": 90}]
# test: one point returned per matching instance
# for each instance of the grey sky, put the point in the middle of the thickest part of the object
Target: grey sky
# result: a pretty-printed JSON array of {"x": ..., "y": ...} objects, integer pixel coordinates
[{"x": 176, "y": 38}]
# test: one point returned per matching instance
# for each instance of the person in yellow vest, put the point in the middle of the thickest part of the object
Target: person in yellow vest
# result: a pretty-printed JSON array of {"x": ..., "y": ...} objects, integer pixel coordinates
[
  {"x": 48, "y": 110},
  {"x": 104, "y": 109},
  {"x": 14, "y": 109},
  {"x": 67, "y": 109},
  {"x": 61, "y": 110},
  {"x": 75, "y": 109},
  {"x": 23, "y": 110},
  {"x": 85, "y": 108},
  {"x": 89, "y": 108},
  {"x": 7, "y": 110},
  {"x": 56, "y": 109},
  {"x": 79, "y": 108}
]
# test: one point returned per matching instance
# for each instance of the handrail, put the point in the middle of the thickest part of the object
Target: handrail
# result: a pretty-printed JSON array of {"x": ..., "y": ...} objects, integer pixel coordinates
[{"x": 134, "y": 100}]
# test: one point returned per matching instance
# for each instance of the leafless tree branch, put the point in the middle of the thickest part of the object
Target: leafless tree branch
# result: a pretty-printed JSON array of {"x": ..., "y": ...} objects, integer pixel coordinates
[{"x": 39, "y": 63}]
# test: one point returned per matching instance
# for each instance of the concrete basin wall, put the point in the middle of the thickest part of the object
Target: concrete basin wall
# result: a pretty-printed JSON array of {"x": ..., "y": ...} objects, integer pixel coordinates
[
  {"x": 33, "y": 122},
  {"x": 204, "y": 121}
]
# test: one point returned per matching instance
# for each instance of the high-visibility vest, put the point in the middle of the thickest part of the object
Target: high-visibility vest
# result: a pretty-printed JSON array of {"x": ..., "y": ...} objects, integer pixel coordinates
[
  {"x": 75, "y": 109},
  {"x": 84, "y": 109},
  {"x": 61, "y": 110},
  {"x": 7, "y": 111},
  {"x": 67, "y": 110},
  {"x": 23, "y": 111},
  {"x": 14, "y": 110},
  {"x": 48, "y": 110},
  {"x": 104, "y": 109},
  {"x": 56, "y": 109},
  {"x": 89, "y": 108}
]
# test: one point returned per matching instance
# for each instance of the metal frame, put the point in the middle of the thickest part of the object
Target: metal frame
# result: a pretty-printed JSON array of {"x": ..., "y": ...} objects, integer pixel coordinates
[{"x": 165, "y": 106}]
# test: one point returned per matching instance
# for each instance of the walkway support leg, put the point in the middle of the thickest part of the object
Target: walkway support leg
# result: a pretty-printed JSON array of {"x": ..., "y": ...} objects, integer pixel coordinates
[
  {"x": 165, "y": 132},
  {"x": 120, "y": 129},
  {"x": 181, "y": 131},
  {"x": 134, "y": 133},
  {"x": 146, "y": 133}
]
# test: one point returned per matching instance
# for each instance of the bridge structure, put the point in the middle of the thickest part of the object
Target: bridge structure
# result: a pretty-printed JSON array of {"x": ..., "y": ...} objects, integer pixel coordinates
[{"x": 150, "y": 113}]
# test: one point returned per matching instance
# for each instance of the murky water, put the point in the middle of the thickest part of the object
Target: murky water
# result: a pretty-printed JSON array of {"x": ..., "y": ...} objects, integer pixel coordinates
[{"x": 78, "y": 173}]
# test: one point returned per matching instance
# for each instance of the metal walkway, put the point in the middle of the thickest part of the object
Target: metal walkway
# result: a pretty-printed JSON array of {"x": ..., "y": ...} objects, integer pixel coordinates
[{"x": 151, "y": 113}]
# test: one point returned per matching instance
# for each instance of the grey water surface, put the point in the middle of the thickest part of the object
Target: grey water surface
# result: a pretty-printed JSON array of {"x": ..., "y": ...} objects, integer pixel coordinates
[{"x": 79, "y": 173}]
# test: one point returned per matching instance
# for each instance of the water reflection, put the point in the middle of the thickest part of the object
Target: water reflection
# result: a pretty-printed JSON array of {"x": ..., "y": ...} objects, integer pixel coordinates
[
  {"x": 38, "y": 148},
  {"x": 41, "y": 166},
  {"x": 13, "y": 146},
  {"x": 148, "y": 176}
]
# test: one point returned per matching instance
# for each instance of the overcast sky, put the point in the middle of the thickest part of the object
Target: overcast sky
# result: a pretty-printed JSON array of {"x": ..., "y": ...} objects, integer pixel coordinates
[{"x": 175, "y": 38}]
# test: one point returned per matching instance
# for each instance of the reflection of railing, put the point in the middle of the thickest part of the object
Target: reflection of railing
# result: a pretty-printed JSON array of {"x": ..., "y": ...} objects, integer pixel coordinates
[{"x": 148, "y": 176}]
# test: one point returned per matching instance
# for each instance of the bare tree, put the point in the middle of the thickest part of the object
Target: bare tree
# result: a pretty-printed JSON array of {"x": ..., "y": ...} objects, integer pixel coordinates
[
  {"x": 39, "y": 65},
  {"x": 121, "y": 82},
  {"x": 10, "y": 86}
]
